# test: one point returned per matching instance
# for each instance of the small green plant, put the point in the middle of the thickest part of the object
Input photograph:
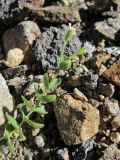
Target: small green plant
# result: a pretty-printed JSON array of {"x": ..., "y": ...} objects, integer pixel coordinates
[{"x": 42, "y": 95}]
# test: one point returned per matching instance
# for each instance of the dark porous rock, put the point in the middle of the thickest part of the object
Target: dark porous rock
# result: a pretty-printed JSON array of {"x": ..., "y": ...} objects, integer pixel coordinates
[
  {"x": 49, "y": 46},
  {"x": 113, "y": 73},
  {"x": 81, "y": 152},
  {"x": 15, "y": 11},
  {"x": 111, "y": 153},
  {"x": 77, "y": 121},
  {"x": 57, "y": 15},
  {"x": 106, "y": 89},
  {"x": 11, "y": 13},
  {"x": 90, "y": 80}
]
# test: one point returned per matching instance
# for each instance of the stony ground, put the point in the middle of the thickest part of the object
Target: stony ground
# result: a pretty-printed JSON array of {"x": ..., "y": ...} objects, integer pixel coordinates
[{"x": 84, "y": 123}]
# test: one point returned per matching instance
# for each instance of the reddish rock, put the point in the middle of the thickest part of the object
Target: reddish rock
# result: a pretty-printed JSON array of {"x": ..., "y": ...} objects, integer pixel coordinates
[
  {"x": 113, "y": 73},
  {"x": 77, "y": 121}
]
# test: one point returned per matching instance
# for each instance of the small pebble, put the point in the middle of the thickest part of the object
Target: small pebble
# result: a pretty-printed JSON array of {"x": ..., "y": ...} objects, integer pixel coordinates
[{"x": 39, "y": 141}]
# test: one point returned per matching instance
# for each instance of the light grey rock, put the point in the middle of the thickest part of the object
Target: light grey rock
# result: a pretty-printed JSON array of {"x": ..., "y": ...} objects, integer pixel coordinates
[
  {"x": 111, "y": 107},
  {"x": 71, "y": 2},
  {"x": 79, "y": 95},
  {"x": 62, "y": 154},
  {"x": 6, "y": 99},
  {"x": 111, "y": 153},
  {"x": 39, "y": 141}
]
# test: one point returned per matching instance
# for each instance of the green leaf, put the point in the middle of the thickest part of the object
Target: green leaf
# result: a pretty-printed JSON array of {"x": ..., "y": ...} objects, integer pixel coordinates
[
  {"x": 22, "y": 136},
  {"x": 37, "y": 87},
  {"x": 12, "y": 121},
  {"x": 34, "y": 124},
  {"x": 55, "y": 83},
  {"x": 47, "y": 98},
  {"x": 81, "y": 51},
  {"x": 40, "y": 110},
  {"x": 10, "y": 146},
  {"x": 46, "y": 81},
  {"x": 65, "y": 65},
  {"x": 69, "y": 34},
  {"x": 27, "y": 103}
]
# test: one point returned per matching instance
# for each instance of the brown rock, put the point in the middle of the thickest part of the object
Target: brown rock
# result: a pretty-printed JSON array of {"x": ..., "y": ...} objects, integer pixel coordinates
[
  {"x": 22, "y": 36},
  {"x": 77, "y": 121},
  {"x": 106, "y": 89},
  {"x": 18, "y": 40},
  {"x": 111, "y": 153},
  {"x": 116, "y": 122},
  {"x": 113, "y": 73},
  {"x": 74, "y": 81},
  {"x": 99, "y": 59},
  {"x": 57, "y": 14},
  {"x": 32, "y": 4}
]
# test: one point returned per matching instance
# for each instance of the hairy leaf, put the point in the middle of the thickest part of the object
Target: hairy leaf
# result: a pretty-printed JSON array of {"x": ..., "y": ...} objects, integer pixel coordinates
[
  {"x": 34, "y": 124},
  {"x": 27, "y": 103},
  {"x": 40, "y": 110},
  {"x": 46, "y": 81},
  {"x": 10, "y": 146},
  {"x": 55, "y": 83},
  {"x": 47, "y": 98},
  {"x": 81, "y": 51},
  {"x": 12, "y": 121},
  {"x": 65, "y": 65}
]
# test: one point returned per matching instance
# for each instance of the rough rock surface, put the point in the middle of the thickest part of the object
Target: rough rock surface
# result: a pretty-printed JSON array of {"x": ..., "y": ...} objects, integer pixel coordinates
[
  {"x": 106, "y": 4},
  {"x": 113, "y": 73},
  {"x": 111, "y": 107},
  {"x": 107, "y": 29},
  {"x": 14, "y": 10},
  {"x": 49, "y": 45},
  {"x": 6, "y": 100},
  {"x": 22, "y": 36},
  {"x": 71, "y": 2},
  {"x": 21, "y": 39},
  {"x": 111, "y": 153},
  {"x": 116, "y": 122},
  {"x": 106, "y": 89},
  {"x": 14, "y": 57},
  {"x": 57, "y": 14},
  {"x": 77, "y": 121}
]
